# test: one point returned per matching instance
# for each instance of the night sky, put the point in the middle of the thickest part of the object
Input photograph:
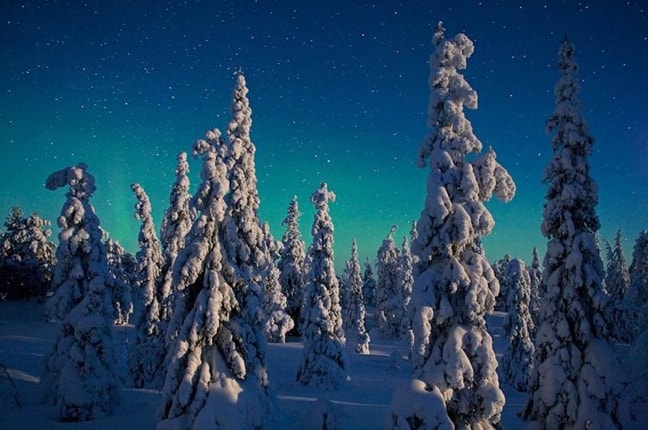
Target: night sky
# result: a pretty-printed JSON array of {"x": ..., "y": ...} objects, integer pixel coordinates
[{"x": 339, "y": 94}]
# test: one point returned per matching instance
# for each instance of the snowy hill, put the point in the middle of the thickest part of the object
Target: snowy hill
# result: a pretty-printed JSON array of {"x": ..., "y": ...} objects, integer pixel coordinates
[{"x": 362, "y": 404}]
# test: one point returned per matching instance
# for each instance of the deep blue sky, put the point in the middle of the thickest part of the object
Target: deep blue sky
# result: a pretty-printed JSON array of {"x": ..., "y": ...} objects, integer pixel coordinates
[{"x": 339, "y": 94}]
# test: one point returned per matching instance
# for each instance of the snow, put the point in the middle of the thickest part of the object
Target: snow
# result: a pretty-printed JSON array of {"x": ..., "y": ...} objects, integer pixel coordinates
[
  {"x": 363, "y": 403},
  {"x": 413, "y": 399}
]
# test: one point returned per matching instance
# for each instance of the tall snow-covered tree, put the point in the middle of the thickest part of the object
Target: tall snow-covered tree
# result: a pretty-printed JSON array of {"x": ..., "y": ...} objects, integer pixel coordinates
[
  {"x": 636, "y": 303},
  {"x": 499, "y": 269},
  {"x": 354, "y": 313},
  {"x": 617, "y": 277},
  {"x": 368, "y": 283},
  {"x": 636, "y": 300},
  {"x": 175, "y": 226},
  {"x": 617, "y": 282},
  {"x": 535, "y": 285},
  {"x": 278, "y": 322},
  {"x": 413, "y": 236},
  {"x": 122, "y": 267},
  {"x": 80, "y": 377},
  {"x": 454, "y": 285},
  {"x": 405, "y": 280},
  {"x": 242, "y": 238},
  {"x": 291, "y": 264},
  {"x": 517, "y": 361},
  {"x": 147, "y": 355},
  {"x": 216, "y": 374},
  {"x": 27, "y": 256},
  {"x": 389, "y": 297},
  {"x": 573, "y": 382},
  {"x": 324, "y": 363}
]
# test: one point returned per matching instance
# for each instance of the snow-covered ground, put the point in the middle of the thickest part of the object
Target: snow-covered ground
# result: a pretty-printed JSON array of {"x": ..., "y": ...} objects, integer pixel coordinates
[{"x": 25, "y": 339}]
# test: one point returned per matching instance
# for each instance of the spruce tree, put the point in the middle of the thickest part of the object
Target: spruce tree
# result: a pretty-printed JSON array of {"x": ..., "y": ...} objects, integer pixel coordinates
[
  {"x": 27, "y": 256},
  {"x": 291, "y": 265},
  {"x": 244, "y": 257},
  {"x": 389, "y": 298},
  {"x": 354, "y": 313},
  {"x": 535, "y": 285},
  {"x": 454, "y": 285},
  {"x": 405, "y": 282},
  {"x": 324, "y": 362},
  {"x": 175, "y": 226},
  {"x": 80, "y": 376},
  {"x": 216, "y": 373},
  {"x": 517, "y": 360},
  {"x": 147, "y": 355},
  {"x": 636, "y": 304},
  {"x": 499, "y": 269},
  {"x": 617, "y": 282},
  {"x": 123, "y": 269},
  {"x": 639, "y": 270},
  {"x": 278, "y": 322},
  {"x": 368, "y": 283},
  {"x": 573, "y": 382}
]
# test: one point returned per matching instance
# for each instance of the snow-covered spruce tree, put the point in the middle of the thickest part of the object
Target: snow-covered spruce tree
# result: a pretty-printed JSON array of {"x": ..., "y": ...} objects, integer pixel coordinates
[
  {"x": 573, "y": 382},
  {"x": 175, "y": 226},
  {"x": 517, "y": 361},
  {"x": 405, "y": 282},
  {"x": 27, "y": 256},
  {"x": 354, "y": 314},
  {"x": 278, "y": 322},
  {"x": 637, "y": 296},
  {"x": 122, "y": 267},
  {"x": 242, "y": 238},
  {"x": 413, "y": 236},
  {"x": 368, "y": 283},
  {"x": 80, "y": 377},
  {"x": 454, "y": 285},
  {"x": 389, "y": 297},
  {"x": 617, "y": 282},
  {"x": 636, "y": 303},
  {"x": 535, "y": 285},
  {"x": 499, "y": 270},
  {"x": 147, "y": 354},
  {"x": 324, "y": 363},
  {"x": 291, "y": 264},
  {"x": 216, "y": 373}
]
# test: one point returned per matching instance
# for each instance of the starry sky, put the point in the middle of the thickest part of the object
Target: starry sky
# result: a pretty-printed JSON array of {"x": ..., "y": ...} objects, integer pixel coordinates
[{"x": 339, "y": 94}]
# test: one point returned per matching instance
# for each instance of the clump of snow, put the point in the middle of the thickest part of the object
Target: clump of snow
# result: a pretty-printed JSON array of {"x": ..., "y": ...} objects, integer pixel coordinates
[{"x": 417, "y": 406}]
